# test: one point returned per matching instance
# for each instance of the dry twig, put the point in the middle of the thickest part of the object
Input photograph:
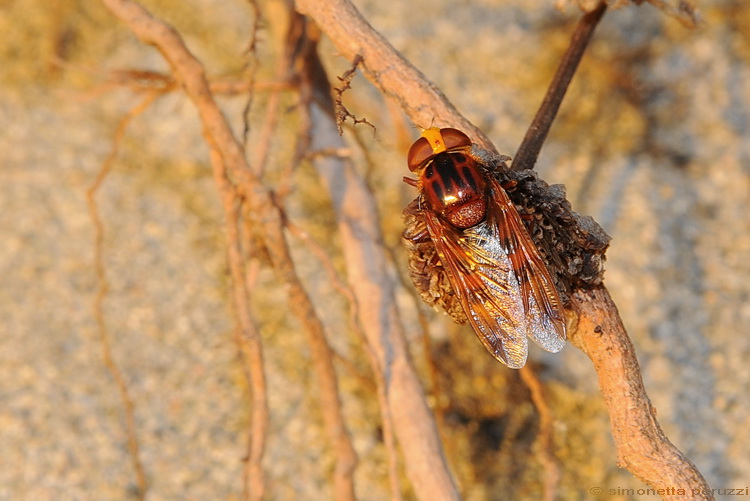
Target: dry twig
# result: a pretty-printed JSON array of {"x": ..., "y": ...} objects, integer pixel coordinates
[
  {"x": 249, "y": 341},
  {"x": 642, "y": 446},
  {"x": 399, "y": 389},
  {"x": 191, "y": 75},
  {"x": 103, "y": 290},
  {"x": 419, "y": 98},
  {"x": 389, "y": 438},
  {"x": 342, "y": 113},
  {"x": 528, "y": 151},
  {"x": 545, "y": 439}
]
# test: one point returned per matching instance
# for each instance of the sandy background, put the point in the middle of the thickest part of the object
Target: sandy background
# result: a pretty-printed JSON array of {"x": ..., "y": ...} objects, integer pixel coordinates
[{"x": 652, "y": 142}]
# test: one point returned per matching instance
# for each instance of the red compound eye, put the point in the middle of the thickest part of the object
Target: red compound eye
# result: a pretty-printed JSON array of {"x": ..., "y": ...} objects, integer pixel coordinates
[
  {"x": 419, "y": 153},
  {"x": 454, "y": 138}
]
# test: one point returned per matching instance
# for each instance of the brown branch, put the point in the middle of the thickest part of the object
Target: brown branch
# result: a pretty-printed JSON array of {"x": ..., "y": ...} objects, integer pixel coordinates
[
  {"x": 295, "y": 40},
  {"x": 396, "y": 77},
  {"x": 434, "y": 387},
  {"x": 249, "y": 340},
  {"x": 191, "y": 75},
  {"x": 103, "y": 290},
  {"x": 356, "y": 327},
  {"x": 346, "y": 458},
  {"x": 400, "y": 390},
  {"x": 642, "y": 446},
  {"x": 369, "y": 279},
  {"x": 545, "y": 440},
  {"x": 606, "y": 343},
  {"x": 531, "y": 145},
  {"x": 271, "y": 119},
  {"x": 251, "y": 66},
  {"x": 139, "y": 80}
]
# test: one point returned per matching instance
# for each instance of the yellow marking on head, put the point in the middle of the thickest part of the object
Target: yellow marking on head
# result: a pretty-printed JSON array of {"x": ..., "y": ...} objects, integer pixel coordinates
[{"x": 435, "y": 138}]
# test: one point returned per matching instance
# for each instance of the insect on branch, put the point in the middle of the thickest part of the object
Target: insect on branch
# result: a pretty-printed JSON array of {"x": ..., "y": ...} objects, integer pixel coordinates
[{"x": 635, "y": 428}]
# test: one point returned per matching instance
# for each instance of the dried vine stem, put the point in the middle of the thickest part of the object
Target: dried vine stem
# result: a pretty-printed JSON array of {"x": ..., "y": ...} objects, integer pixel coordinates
[
  {"x": 389, "y": 438},
  {"x": 399, "y": 389},
  {"x": 249, "y": 342},
  {"x": 396, "y": 77},
  {"x": 191, "y": 75},
  {"x": 545, "y": 439},
  {"x": 642, "y": 446},
  {"x": 103, "y": 289},
  {"x": 342, "y": 113},
  {"x": 528, "y": 151}
]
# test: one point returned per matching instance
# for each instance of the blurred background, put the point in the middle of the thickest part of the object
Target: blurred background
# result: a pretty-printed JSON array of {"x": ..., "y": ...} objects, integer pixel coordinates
[{"x": 652, "y": 141}]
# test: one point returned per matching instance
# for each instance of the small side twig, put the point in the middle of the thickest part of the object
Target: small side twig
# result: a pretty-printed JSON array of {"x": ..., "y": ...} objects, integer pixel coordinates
[
  {"x": 251, "y": 67},
  {"x": 545, "y": 439},
  {"x": 103, "y": 290},
  {"x": 342, "y": 113},
  {"x": 249, "y": 340},
  {"x": 388, "y": 70}
]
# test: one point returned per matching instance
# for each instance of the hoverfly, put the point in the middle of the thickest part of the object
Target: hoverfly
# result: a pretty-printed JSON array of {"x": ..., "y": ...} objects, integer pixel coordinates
[{"x": 491, "y": 263}]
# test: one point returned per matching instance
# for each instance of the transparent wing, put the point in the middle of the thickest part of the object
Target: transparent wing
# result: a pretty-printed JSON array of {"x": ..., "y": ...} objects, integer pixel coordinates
[
  {"x": 544, "y": 318},
  {"x": 483, "y": 278},
  {"x": 501, "y": 281}
]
